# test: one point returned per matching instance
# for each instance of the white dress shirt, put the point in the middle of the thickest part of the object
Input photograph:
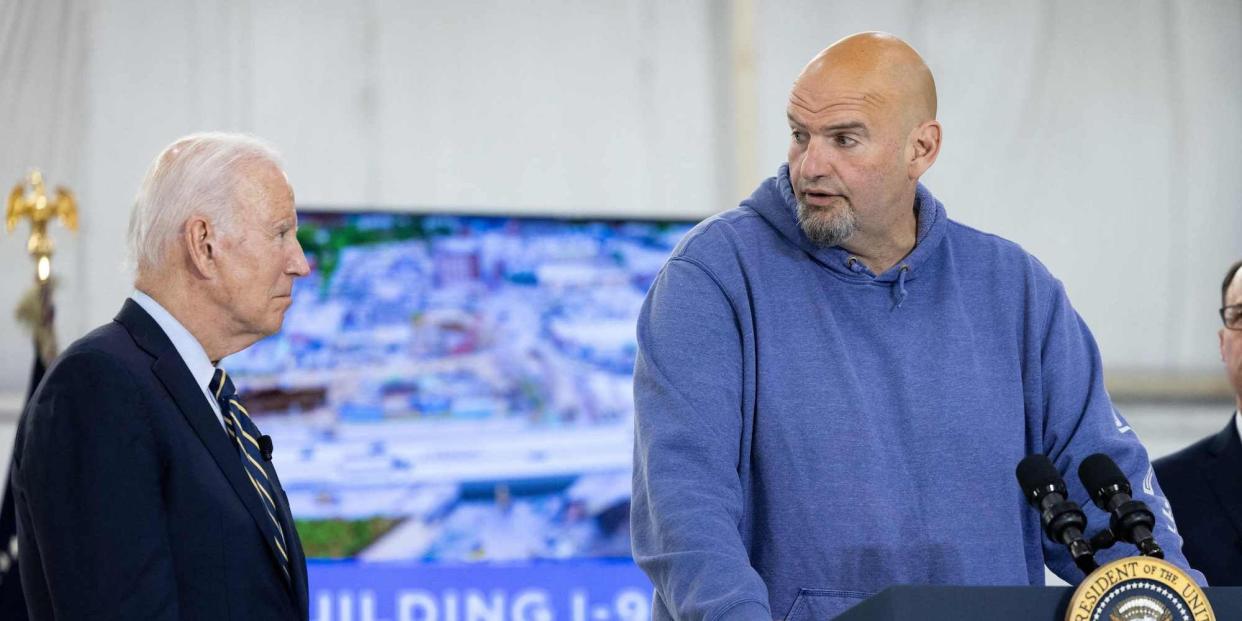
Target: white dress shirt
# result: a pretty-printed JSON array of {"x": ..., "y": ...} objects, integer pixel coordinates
[
  {"x": 187, "y": 346},
  {"x": 1237, "y": 422}
]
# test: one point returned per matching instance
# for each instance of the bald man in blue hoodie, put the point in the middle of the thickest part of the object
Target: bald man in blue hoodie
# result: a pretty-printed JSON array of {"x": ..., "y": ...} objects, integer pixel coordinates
[{"x": 835, "y": 381}]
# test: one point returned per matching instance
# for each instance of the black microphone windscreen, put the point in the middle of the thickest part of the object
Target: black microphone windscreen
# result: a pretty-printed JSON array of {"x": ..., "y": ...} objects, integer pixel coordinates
[
  {"x": 1099, "y": 471},
  {"x": 1036, "y": 471},
  {"x": 265, "y": 447}
]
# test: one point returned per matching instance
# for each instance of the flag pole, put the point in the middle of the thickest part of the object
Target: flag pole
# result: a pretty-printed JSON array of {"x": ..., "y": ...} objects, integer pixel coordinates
[{"x": 29, "y": 201}]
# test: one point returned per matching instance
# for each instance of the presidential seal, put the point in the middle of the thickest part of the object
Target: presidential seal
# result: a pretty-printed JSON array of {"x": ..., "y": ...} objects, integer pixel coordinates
[{"x": 1139, "y": 588}]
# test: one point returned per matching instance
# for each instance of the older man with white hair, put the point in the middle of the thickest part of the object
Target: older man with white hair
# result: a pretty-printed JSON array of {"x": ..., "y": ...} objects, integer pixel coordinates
[{"x": 143, "y": 488}]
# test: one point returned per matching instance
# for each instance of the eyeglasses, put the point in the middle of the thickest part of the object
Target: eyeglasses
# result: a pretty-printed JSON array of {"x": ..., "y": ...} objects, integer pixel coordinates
[{"x": 1232, "y": 316}]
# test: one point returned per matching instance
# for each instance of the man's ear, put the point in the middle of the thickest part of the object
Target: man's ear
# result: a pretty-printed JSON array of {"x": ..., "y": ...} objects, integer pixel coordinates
[
  {"x": 202, "y": 244},
  {"x": 925, "y": 140}
]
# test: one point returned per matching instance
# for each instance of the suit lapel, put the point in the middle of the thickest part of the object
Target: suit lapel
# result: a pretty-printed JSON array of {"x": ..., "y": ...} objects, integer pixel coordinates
[
  {"x": 1224, "y": 473},
  {"x": 190, "y": 400}
]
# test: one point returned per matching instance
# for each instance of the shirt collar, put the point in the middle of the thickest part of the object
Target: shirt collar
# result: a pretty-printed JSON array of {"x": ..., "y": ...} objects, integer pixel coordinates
[
  {"x": 1237, "y": 422},
  {"x": 188, "y": 347}
]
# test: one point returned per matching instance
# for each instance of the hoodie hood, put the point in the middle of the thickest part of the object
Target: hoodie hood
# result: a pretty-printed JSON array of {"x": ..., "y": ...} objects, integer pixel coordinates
[{"x": 774, "y": 201}]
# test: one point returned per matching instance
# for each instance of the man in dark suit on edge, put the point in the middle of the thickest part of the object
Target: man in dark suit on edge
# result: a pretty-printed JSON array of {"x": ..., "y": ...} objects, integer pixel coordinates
[
  {"x": 1204, "y": 480},
  {"x": 143, "y": 489}
]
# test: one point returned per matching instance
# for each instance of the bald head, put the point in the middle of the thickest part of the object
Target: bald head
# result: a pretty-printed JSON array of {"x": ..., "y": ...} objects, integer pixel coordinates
[
  {"x": 875, "y": 69},
  {"x": 863, "y": 129}
]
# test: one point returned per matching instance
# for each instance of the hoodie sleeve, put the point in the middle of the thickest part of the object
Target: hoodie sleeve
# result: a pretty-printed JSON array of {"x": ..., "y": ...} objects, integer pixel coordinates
[
  {"x": 1079, "y": 421},
  {"x": 688, "y": 497}
]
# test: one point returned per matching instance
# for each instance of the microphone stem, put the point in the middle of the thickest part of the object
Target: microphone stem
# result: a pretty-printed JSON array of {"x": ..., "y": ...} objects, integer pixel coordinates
[
  {"x": 1149, "y": 547},
  {"x": 1080, "y": 550}
]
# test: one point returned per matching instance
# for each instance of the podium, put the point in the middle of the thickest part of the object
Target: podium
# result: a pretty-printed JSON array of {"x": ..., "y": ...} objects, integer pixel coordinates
[{"x": 948, "y": 603}]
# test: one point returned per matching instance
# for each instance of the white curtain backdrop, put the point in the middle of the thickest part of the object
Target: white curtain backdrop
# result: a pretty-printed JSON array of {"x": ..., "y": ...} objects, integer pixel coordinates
[
  {"x": 1102, "y": 136},
  {"x": 43, "y": 110}
]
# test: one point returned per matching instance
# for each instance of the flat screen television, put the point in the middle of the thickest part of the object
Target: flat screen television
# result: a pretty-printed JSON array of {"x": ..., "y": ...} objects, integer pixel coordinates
[{"x": 450, "y": 401}]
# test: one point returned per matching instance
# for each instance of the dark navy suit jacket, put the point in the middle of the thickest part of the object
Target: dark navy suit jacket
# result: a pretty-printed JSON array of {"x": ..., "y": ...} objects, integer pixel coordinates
[
  {"x": 132, "y": 502},
  {"x": 1203, "y": 482}
]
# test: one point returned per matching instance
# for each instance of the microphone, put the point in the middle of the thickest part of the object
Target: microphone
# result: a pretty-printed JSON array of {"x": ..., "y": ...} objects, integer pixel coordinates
[
  {"x": 1063, "y": 519},
  {"x": 265, "y": 447},
  {"x": 1130, "y": 520}
]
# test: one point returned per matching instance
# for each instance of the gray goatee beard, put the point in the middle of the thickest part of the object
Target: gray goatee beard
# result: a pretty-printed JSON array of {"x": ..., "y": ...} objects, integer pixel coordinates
[{"x": 826, "y": 229}]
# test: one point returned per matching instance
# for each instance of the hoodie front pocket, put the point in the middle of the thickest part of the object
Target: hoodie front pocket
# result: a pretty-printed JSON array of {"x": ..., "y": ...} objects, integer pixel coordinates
[{"x": 823, "y": 604}]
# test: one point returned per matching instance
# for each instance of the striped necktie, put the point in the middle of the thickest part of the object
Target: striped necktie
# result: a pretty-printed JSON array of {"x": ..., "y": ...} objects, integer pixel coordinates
[{"x": 244, "y": 434}]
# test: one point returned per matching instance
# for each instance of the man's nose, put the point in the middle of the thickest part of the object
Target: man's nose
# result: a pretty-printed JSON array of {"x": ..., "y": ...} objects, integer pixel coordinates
[
  {"x": 817, "y": 161},
  {"x": 299, "y": 266}
]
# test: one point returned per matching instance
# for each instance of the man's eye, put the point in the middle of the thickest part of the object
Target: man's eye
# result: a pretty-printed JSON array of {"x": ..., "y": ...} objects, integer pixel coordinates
[
  {"x": 844, "y": 141},
  {"x": 799, "y": 136}
]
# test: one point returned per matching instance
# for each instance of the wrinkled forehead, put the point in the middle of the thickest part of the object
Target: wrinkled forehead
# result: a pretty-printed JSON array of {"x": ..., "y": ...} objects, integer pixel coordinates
[
  {"x": 271, "y": 176},
  {"x": 821, "y": 96},
  {"x": 828, "y": 96},
  {"x": 265, "y": 191}
]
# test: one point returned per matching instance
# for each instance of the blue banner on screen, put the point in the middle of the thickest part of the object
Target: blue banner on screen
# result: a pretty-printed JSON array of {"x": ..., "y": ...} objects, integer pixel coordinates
[
  {"x": 454, "y": 390},
  {"x": 560, "y": 591}
]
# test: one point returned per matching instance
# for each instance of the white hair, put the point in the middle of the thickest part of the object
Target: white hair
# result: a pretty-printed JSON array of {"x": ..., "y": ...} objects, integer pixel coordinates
[{"x": 199, "y": 174}]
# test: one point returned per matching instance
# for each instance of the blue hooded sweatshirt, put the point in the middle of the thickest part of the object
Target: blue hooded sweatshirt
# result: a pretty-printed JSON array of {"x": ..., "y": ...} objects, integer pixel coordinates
[{"x": 809, "y": 433}]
